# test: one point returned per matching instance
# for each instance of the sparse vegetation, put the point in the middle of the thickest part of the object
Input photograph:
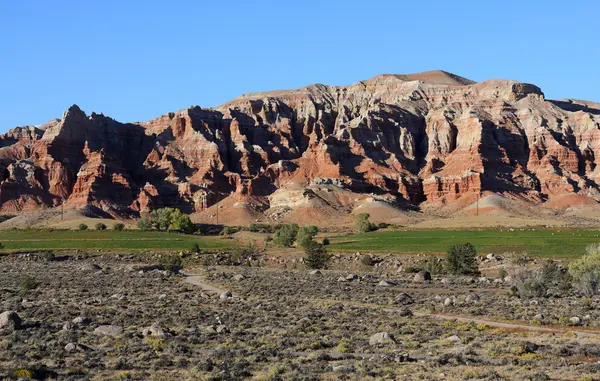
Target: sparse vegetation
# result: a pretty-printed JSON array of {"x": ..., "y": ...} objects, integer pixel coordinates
[
  {"x": 27, "y": 283},
  {"x": 586, "y": 271},
  {"x": 461, "y": 259},
  {"x": 171, "y": 262},
  {"x": 144, "y": 223}
]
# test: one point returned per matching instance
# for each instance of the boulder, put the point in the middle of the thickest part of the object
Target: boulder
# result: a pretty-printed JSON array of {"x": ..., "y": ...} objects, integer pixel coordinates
[
  {"x": 10, "y": 320},
  {"x": 226, "y": 295},
  {"x": 381, "y": 338},
  {"x": 422, "y": 276},
  {"x": 109, "y": 330}
]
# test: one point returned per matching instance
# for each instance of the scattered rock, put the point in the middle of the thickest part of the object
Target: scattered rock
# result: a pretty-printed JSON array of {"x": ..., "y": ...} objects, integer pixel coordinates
[
  {"x": 238, "y": 277},
  {"x": 385, "y": 283},
  {"x": 575, "y": 320},
  {"x": 315, "y": 272},
  {"x": 155, "y": 330},
  {"x": 422, "y": 276},
  {"x": 226, "y": 295},
  {"x": 74, "y": 347},
  {"x": 449, "y": 302},
  {"x": 343, "y": 368},
  {"x": 381, "y": 338},
  {"x": 222, "y": 329},
  {"x": 351, "y": 277},
  {"x": 109, "y": 330},
  {"x": 80, "y": 320},
  {"x": 404, "y": 299},
  {"x": 10, "y": 319},
  {"x": 453, "y": 338},
  {"x": 472, "y": 298}
]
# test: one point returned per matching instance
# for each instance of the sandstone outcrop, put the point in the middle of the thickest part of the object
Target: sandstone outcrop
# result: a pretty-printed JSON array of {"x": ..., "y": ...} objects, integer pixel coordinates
[{"x": 419, "y": 139}]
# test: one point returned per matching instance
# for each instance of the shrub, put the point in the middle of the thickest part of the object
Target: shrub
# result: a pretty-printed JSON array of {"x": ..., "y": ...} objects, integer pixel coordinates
[
  {"x": 548, "y": 280},
  {"x": 100, "y": 226},
  {"x": 82, "y": 227},
  {"x": 316, "y": 256},
  {"x": 227, "y": 230},
  {"x": 363, "y": 224},
  {"x": 325, "y": 241},
  {"x": 195, "y": 248},
  {"x": 286, "y": 235},
  {"x": 433, "y": 266},
  {"x": 366, "y": 260},
  {"x": 306, "y": 234},
  {"x": 586, "y": 271},
  {"x": 461, "y": 259},
  {"x": 249, "y": 252},
  {"x": 47, "y": 256},
  {"x": 161, "y": 218},
  {"x": 171, "y": 262},
  {"x": 27, "y": 283},
  {"x": 119, "y": 227}
]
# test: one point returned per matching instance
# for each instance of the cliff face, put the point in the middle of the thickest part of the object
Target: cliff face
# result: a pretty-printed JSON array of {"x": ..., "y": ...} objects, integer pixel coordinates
[{"x": 420, "y": 139}]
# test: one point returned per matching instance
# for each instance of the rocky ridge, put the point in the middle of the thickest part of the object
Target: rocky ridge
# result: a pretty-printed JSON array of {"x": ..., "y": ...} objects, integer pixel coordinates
[{"x": 411, "y": 140}]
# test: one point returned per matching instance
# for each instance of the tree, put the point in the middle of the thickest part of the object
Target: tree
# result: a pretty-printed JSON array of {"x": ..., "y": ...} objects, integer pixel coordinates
[
  {"x": 161, "y": 218},
  {"x": 144, "y": 223},
  {"x": 286, "y": 235},
  {"x": 306, "y": 234},
  {"x": 316, "y": 256},
  {"x": 363, "y": 225},
  {"x": 586, "y": 271},
  {"x": 461, "y": 259},
  {"x": 181, "y": 221},
  {"x": 100, "y": 226}
]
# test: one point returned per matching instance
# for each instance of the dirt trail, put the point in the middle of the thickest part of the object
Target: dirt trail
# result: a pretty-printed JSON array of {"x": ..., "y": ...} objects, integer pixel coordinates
[{"x": 196, "y": 280}]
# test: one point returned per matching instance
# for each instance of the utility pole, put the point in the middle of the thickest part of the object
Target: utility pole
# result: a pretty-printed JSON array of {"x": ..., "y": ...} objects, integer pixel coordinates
[
  {"x": 217, "y": 211},
  {"x": 62, "y": 209},
  {"x": 478, "y": 204}
]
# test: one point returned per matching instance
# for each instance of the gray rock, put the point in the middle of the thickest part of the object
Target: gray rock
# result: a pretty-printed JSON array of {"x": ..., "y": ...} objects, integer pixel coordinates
[
  {"x": 472, "y": 298},
  {"x": 575, "y": 320},
  {"x": 342, "y": 279},
  {"x": 404, "y": 299},
  {"x": 222, "y": 328},
  {"x": 155, "y": 330},
  {"x": 453, "y": 338},
  {"x": 351, "y": 277},
  {"x": 80, "y": 320},
  {"x": 109, "y": 330},
  {"x": 343, "y": 368},
  {"x": 226, "y": 295},
  {"x": 10, "y": 319},
  {"x": 385, "y": 283},
  {"x": 381, "y": 338},
  {"x": 448, "y": 302},
  {"x": 211, "y": 329},
  {"x": 315, "y": 272},
  {"x": 422, "y": 276},
  {"x": 238, "y": 277},
  {"x": 73, "y": 347}
]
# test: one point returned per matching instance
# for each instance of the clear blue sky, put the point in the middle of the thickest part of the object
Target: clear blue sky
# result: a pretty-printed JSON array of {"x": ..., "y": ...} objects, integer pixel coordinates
[{"x": 135, "y": 60}]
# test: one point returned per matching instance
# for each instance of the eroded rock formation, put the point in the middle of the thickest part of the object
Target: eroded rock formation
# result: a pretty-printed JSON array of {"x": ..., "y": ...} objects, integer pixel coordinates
[{"x": 423, "y": 138}]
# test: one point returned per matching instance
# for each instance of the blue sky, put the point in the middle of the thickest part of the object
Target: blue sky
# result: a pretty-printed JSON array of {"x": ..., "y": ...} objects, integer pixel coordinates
[{"x": 135, "y": 60}]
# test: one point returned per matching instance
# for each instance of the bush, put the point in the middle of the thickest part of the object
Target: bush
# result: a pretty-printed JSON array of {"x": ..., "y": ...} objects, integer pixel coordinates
[
  {"x": 144, "y": 223},
  {"x": 249, "y": 252},
  {"x": 119, "y": 227},
  {"x": 161, "y": 218},
  {"x": 316, "y": 256},
  {"x": 47, "y": 256},
  {"x": 181, "y": 222},
  {"x": 27, "y": 283},
  {"x": 433, "y": 266},
  {"x": 363, "y": 225},
  {"x": 366, "y": 260},
  {"x": 286, "y": 235},
  {"x": 325, "y": 241},
  {"x": 82, "y": 227},
  {"x": 461, "y": 259},
  {"x": 171, "y": 262},
  {"x": 195, "y": 248},
  {"x": 227, "y": 230},
  {"x": 586, "y": 271},
  {"x": 306, "y": 234},
  {"x": 548, "y": 280},
  {"x": 100, "y": 226}
]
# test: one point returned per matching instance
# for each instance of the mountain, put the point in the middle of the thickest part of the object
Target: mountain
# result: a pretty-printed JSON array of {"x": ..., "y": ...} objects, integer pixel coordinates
[{"x": 430, "y": 141}]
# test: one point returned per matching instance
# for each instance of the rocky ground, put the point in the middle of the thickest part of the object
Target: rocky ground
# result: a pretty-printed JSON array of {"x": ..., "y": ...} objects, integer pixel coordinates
[{"x": 109, "y": 317}]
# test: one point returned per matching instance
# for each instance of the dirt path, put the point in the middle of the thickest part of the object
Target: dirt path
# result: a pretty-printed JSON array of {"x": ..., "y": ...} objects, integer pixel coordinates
[{"x": 196, "y": 280}]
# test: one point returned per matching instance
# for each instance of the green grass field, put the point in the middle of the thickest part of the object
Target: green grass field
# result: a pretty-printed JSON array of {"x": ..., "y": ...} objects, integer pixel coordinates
[
  {"x": 16, "y": 240},
  {"x": 542, "y": 243}
]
